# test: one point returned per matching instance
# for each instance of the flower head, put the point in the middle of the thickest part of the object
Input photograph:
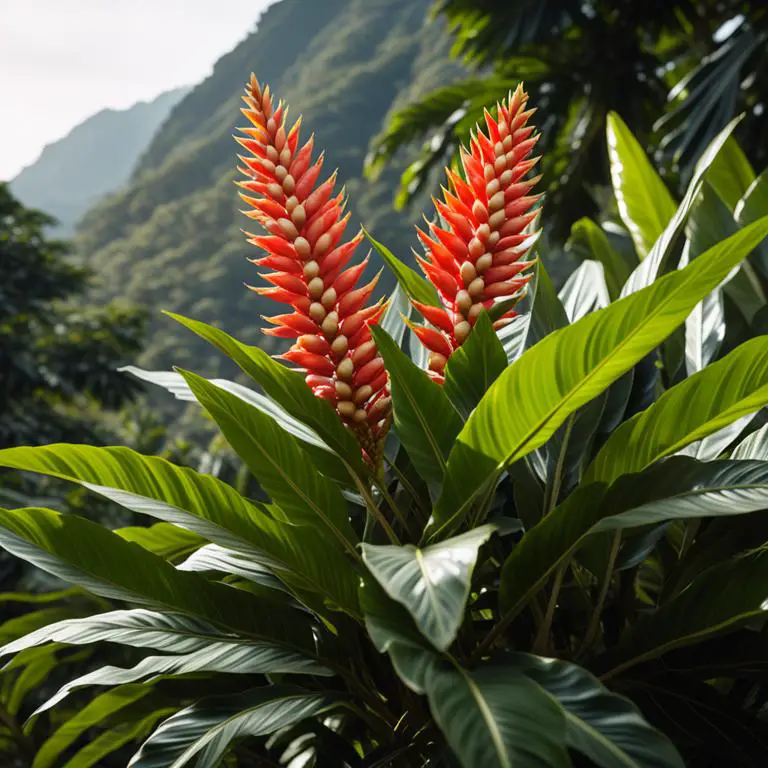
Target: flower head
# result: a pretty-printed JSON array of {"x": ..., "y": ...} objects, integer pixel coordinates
[
  {"x": 309, "y": 265},
  {"x": 480, "y": 255}
]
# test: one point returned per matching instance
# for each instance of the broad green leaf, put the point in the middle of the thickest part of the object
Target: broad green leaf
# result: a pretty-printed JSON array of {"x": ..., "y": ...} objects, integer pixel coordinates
[
  {"x": 30, "y": 679},
  {"x": 424, "y": 418},
  {"x": 432, "y": 583},
  {"x": 605, "y": 727},
  {"x": 657, "y": 261},
  {"x": 412, "y": 282},
  {"x": 754, "y": 203},
  {"x": 116, "y": 737},
  {"x": 474, "y": 366},
  {"x": 570, "y": 367},
  {"x": 731, "y": 173},
  {"x": 201, "y": 503},
  {"x": 585, "y": 290},
  {"x": 495, "y": 717},
  {"x": 285, "y": 387},
  {"x": 645, "y": 204},
  {"x": 205, "y": 730},
  {"x": 722, "y": 598},
  {"x": 392, "y": 321},
  {"x": 278, "y": 462},
  {"x": 87, "y": 554},
  {"x": 755, "y": 446},
  {"x": 92, "y": 714},
  {"x": 703, "y": 403},
  {"x": 164, "y": 539},
  {"x": 679, "y": 488},
  {"x": 590, "y": 241},
  {"x": 230, "y": 655},
  {"x": 213, "y": 558}
]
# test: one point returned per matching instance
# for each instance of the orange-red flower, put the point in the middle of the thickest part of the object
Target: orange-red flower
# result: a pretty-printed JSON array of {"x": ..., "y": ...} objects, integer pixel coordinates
[
  {"x": 480, "y": 254},
  {"x": 308, "y": 264}
]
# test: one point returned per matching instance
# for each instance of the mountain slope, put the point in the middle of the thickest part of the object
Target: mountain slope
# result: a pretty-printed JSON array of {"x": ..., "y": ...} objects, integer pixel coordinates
[
  {"x": 94, "y": 159},
  {"x": 171, "y": 239}
]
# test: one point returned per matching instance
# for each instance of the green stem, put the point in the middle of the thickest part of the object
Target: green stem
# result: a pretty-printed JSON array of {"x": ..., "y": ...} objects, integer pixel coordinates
[
  {"x": 406, "y": 483},
  {"x": 374, "y": 511},
  {"x": 541, "y": 642},
  {"x": 553, "y": 489},
  {"x": 382, "y": 486},
  {"x": 594, "y": 622}
]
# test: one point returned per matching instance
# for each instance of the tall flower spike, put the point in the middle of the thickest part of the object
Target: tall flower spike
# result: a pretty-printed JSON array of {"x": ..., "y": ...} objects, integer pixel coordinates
[
  {"x": 307, "y": 263},
  {"x": 481, "y": 255}
]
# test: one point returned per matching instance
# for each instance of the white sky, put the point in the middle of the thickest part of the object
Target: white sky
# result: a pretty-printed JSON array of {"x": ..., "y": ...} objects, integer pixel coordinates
[{"x": 63, "y": 60}]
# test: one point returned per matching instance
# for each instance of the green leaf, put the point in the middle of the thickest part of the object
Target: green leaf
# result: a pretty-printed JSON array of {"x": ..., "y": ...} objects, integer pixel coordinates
[
  {"x": 585, "y": 290},
  {"x": 200, "y": 503},
  {"x": 645, "y": 204},
  {"x": 731, "y": 173},
  {"x": 605, "y": 727},
  {"x": 537, "y": 393},
  {"x": 474, "y": 366},
  {"x": 412, "y": 283},
  {"x": 92, "y": 714},
  {"x": 495, "y": 717},
  {"x": 392, "y": 321},
  {"x": 432, "y": 583},
  {"x": 754, "y": 204},
  {"x": 424, "y": 418},
  {"x": 700, "y": 405},
  {"x": 755, "y": 446},
  {"x": 213, "y": 558},
  {"x": 87, "y": 554},
  {"x": 205, "y": 730},
  {"x": 589, "y": 241},
  {"x": 278, "y": 462},
  {"x": 287, "y": 388},
  {"x": 721, "y": 599},
  {"x": 164, "y": 539},
  {"x": 679, "y": 488}
]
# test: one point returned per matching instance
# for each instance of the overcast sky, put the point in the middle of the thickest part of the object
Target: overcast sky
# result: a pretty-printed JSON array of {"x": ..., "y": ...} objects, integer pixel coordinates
[{"x": 63, "y": 60}]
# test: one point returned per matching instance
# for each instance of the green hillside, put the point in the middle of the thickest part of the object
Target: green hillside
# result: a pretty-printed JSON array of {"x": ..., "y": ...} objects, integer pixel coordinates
[
  {"x": 171, "y": 239},
  {"x": 94, "y": 159}
]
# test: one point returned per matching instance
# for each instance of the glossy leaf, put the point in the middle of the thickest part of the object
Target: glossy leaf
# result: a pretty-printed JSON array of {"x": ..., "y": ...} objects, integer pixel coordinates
[
  {"x": 432, "y": 583},
  {"x": 213, "y": 558},
  {"x": 585, "y": 290},
  {"x": 589, "y": 240},
  {"x": 168, "y": 541},
  {"x": 755, "y": 446},
  {"x": 645, "y": 204},
  {"x": 731, "y": 173},
  {"x": 568, "y": 369},
  {"x": 205, "y": 730}
]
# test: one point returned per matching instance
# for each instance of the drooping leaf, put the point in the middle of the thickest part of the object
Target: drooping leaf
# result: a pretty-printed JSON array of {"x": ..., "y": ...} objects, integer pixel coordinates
[
  {"x": 214, "y": 558},
  {"x": 169, "y": 541},
  {"x": 568, "y": 369},
  {"x": 755, "y": 446},
  {"x": 474, "y": 366},
  {"x": 585, "y": 290},
  {"x": 432, "y": 583},
  {"x": 278, "y": 462},
  {"x": 424, "y": 418},
  {"x": 604, "y": 726},
  {"x": 590, "y": 241},
  {"x": 731, "y": 388},
  {"x": 203, "y": 731},
  {"x": 412, "y": 282},
  {"x": 496, "y": 717},
  {"x": 645, "y": 204}
]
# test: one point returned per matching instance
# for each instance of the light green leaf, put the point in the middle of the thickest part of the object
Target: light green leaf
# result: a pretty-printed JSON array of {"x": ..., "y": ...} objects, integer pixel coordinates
[
  {"x": 679, "y": 488},
  {"x": 703, "y": 403},
  {"x": 590, "y": 242},
  {"x": 278, "y": 462},
  {"x": 474, "y": 366},
  {"x": 731, "y": 173},
  {"x": 645, "y": 204},
  {"x": 570, "y": 367},
  {"x": 205, "y": 730},
  {"x": 412, "y": 282},
  {"x": 424, "y": 418},
  {"x": 89, "y": 555},
  {"x": 164, "y": 539},
  {"x": 605, "y": 727},
  {"x": 721, "y": 599},
  {"x": 754, "y": 204},
  {"x": 495, "y": 717},
  {"x": 432, "y": 583}
]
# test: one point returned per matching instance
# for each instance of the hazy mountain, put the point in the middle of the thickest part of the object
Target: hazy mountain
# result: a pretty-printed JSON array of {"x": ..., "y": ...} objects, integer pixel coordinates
[
  {"x": 94, "y": 159},
  {"x": 171, "y": 238}
]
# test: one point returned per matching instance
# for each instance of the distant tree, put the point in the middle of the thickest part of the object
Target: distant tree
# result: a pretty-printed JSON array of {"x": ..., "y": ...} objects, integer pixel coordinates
[
  {"x": 58, "y": 355},
  {"x": 676, "y": 70}
]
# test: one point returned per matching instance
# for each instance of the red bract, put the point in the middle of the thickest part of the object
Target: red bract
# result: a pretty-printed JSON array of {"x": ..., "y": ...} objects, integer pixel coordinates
[
  {"x": 307, "y": 264},
  {"x": 481, "y": 256}
]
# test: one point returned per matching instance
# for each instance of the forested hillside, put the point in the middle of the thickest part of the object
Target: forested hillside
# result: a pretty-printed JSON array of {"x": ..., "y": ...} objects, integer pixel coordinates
[
  {"x": 94, "y": 159},
  {"x": 171, "y": 239}
]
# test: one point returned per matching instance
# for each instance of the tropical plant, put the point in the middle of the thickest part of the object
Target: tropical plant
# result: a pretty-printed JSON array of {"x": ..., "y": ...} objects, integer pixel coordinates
[
  {"x": 546, "y": 559},
  {"x": 676, "y": 71}
]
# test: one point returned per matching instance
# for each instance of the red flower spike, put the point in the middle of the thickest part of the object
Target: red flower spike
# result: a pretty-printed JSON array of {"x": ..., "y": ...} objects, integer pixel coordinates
[
  {"x": 306, "y": 261},
  {"x": 478, "y": 251}
]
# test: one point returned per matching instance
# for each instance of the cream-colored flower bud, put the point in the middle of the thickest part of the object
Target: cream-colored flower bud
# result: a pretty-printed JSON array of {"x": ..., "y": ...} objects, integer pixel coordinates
[
  {"x": 316, "y": 287},
  {"x": 328, "y": 299},
  {"x": 463, "y": 301},
  {"x": 363, "y": 393},
  {"x": 303, "y": 249},
  {"x": 311, "y": 269},
  {"x": 484, "y": 263},
  {"x": 340, "y": 345},
  {"x": 468, "y": 272},
  {"x": 345, "y": 369},
  {"x": 346, "y": 408},
  {"x": 317, "y": 311},
  {"x": 289, "y": 184},
  {"x": 476, "y": 287},
  {"x": 343, "y": 390},
  {"x": 461, "y": 330}
]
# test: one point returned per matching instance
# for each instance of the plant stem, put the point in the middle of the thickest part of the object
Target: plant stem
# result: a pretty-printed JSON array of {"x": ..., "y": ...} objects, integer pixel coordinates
[
  {"x": 594, "y": 621},
  {"x": 541, "y": 642},
  {"x": 406, "y": 483},
  {"x": 382, "y": 486},
  {"x": 374, "y": 511},
  {"x": 553, "y": 489}
]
